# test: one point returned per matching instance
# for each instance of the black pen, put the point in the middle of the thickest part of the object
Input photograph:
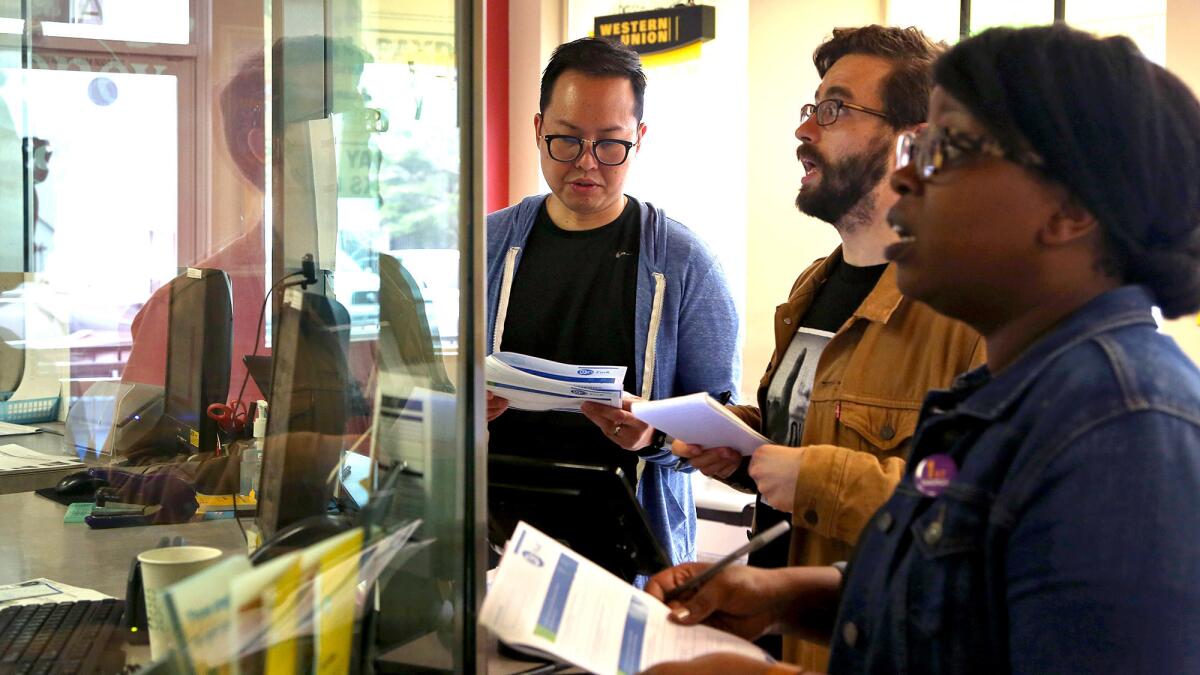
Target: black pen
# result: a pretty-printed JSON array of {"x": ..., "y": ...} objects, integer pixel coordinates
[{"x": 762, "y": 539}]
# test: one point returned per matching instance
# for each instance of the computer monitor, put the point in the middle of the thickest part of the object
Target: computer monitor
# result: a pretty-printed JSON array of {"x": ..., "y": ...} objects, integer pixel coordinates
[
  {"x": 590, "y": 508},
  {"x": 407, "y": 340},
  {"x": 199, "y": 339},
  {"x": 308, "y": 194},
  {"x": 410, "y": 373},
  {"x": 309, "y": 402}
]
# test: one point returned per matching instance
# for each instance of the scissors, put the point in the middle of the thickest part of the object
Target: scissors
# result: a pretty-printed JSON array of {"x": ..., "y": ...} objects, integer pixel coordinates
[{"x": 230, "y": 417}]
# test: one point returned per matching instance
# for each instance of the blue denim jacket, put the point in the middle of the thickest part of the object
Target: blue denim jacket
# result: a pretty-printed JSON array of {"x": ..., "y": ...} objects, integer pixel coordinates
[{"x": 1069, "y": 540}]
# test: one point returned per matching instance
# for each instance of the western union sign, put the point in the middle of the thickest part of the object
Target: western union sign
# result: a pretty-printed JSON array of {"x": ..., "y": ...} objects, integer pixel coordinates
[{"x": 660, "y": 30}]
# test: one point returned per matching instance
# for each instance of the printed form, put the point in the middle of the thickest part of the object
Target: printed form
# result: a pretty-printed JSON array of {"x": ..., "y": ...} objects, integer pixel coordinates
[
  {"x": 548, "y": 600},
  {"x": 530, "y": 383}
]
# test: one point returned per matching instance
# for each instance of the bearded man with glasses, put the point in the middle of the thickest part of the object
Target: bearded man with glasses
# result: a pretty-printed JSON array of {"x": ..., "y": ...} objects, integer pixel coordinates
[
  {"x": 590, "y": 275},
  {"x": 853, "y": 358}
]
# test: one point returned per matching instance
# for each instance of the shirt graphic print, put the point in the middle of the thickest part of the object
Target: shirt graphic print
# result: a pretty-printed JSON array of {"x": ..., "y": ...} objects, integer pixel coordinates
[{"x": 791, "y": 387}]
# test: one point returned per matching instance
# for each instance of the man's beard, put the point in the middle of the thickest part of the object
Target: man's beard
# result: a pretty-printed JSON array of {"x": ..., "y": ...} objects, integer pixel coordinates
[{"x": 843, "y": 197}]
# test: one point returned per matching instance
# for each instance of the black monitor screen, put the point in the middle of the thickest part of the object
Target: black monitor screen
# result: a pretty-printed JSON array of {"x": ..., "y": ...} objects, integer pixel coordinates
[
  {"x": 200, "y": 333},
  {"x": 590, "y": 508},
  {"x": 311, "y": 391}
]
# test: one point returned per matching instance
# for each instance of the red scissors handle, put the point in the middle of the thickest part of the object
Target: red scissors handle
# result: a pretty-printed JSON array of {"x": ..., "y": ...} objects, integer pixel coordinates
[{"x": 230, "y": 417}]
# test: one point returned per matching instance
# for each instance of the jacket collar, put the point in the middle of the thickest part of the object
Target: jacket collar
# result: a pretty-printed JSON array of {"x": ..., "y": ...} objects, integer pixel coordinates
[
  {"x": 1125, "y": 306},
  {"x": 879, "y": 305}
]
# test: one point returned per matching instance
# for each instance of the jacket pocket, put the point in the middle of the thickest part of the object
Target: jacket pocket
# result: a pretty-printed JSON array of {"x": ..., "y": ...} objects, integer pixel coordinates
[
  {"x": 947, "y": 618},
  {"x": 880, "y": 429}
]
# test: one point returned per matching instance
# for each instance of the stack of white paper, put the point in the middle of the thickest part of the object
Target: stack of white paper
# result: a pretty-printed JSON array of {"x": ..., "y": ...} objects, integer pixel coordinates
[
  {"x": 549, "y": 601},
  {"x": 698, "y": 419},
  {"x": 538, "y": 384},
  {"x": 15, "y": 459}
]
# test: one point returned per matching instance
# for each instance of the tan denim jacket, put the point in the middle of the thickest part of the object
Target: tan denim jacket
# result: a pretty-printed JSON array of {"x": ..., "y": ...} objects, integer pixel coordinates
[{"x": 871, "y": 380}]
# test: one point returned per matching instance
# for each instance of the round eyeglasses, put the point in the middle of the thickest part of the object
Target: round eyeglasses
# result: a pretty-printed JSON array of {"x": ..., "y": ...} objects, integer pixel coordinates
[
  {"x": 827, "y": 111},
  {"x": 606, "y": 151},
  {"x": 935, "y": 149}
]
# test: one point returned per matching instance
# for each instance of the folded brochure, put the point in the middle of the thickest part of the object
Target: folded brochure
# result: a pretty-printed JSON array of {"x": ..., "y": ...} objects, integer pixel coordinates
[{"x": 530, "y": 383}]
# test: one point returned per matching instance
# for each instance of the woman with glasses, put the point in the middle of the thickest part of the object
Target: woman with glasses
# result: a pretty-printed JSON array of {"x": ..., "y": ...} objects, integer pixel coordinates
[{"x": 1049, "y": 518}]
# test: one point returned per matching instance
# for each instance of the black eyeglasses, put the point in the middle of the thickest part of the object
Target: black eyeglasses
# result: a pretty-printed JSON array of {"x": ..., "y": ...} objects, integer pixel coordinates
[
  {"x": 607, "y": 151},
  {"x": 934, "y": 149},
  {"x": 827, "y": 111}
]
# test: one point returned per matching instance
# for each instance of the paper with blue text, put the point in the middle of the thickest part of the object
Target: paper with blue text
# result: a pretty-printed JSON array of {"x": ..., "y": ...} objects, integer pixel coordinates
[
  {"x": 530, "y": 383},
  {"x": 547, "y": 600}
]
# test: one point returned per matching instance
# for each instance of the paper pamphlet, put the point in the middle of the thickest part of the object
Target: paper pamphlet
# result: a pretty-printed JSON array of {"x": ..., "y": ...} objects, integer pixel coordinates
[
  {"x": 42, "y": 590},
  {"x": 280, "y": 600},
  {"x": 16, "y": 459},
  {"x": 200, "y": 615},
  {"x": 547, "y": 600},
  {"x": 538, "y": 384},
  {"x": 10, "y": 429},
  {"x": 234, "y": 617},
  {"x": 321, "y": 589},
  {"x": 699, "y": 420},
  {"x": 333, "y": 604},
  {"x": 251, "y": 614}
]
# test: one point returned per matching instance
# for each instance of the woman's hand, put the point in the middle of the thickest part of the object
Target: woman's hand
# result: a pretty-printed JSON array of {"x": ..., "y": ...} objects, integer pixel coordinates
[{"x": 739, "y": 600}]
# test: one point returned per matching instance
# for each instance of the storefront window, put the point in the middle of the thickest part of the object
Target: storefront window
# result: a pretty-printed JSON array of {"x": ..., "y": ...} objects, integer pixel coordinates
[{"x": 208, "y": 205}]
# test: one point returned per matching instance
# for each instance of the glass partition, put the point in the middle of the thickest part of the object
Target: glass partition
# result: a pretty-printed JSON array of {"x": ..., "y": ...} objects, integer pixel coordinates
[{"x": 237, "y": 243}]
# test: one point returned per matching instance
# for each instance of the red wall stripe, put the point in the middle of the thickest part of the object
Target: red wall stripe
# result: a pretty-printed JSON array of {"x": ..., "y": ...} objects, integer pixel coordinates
[{"x": 496, "y": 106}]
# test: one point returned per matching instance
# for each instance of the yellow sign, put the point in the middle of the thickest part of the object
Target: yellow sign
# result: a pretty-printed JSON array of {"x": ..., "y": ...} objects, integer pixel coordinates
[{"x": 659, "y": 30}]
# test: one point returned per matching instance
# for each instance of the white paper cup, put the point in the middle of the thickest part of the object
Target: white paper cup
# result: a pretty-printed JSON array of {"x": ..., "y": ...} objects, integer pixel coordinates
[{"x": 162, "y": 567}]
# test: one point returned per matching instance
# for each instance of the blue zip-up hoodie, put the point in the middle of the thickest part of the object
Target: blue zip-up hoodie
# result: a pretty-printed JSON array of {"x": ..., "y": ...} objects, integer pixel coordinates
[{"x": 685, "y": 340}]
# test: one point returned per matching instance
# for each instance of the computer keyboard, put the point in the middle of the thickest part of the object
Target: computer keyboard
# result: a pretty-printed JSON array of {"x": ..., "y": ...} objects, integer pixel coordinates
[{"x": 82, "y": 637}]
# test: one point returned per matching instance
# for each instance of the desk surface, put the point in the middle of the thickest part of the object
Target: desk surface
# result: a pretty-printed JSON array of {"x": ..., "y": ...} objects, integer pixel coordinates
[{"x": 38, "y": 544}]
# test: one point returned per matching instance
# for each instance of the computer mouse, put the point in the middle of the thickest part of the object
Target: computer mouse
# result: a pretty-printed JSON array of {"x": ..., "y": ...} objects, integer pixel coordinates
[{"x": 78, "y": 483}]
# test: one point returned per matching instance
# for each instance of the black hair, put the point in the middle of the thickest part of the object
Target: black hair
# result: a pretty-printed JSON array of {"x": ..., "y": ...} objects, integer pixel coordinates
[
  {"x": 1118, "y": 131},
  {"x": 905, "y": 91},
  {"x": 597, "y": 57}
]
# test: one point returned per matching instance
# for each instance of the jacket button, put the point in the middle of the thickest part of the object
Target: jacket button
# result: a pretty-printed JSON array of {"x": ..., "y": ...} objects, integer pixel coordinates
[
  {"x": 933, "y": 533},
  {"x": 887, "y": 433},
  {"x": 884, "y": 522},
  {"x": 787, "y": 321},
  {"x": 850, "y": 634},
  {"x": 810, "y": 517}
]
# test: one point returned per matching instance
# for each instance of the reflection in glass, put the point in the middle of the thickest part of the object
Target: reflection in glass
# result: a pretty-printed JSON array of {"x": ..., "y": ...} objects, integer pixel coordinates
[{"x": 166, "y": 180}]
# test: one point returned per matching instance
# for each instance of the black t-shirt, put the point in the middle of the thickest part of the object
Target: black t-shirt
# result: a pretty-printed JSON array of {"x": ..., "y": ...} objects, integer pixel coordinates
[
  {"x": 572, "y": 300},
  {"x": 834, "y": 303}
]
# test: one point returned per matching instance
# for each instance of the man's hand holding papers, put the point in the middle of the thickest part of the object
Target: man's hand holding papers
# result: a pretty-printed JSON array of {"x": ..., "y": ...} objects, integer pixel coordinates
[
  {"x": 619, "y": 424},
  {"x": 530, "y": 383},
  {"x": 699, "y": 419}
]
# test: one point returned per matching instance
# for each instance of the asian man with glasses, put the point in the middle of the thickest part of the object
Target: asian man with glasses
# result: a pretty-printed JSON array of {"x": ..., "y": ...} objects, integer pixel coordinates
[{"x": 590, "y": 275}]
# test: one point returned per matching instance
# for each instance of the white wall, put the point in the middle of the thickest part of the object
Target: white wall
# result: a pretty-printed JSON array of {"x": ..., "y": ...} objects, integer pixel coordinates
[
  {"x": 693, "y": 162},
  {"x": 1183, "y": 59}
]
